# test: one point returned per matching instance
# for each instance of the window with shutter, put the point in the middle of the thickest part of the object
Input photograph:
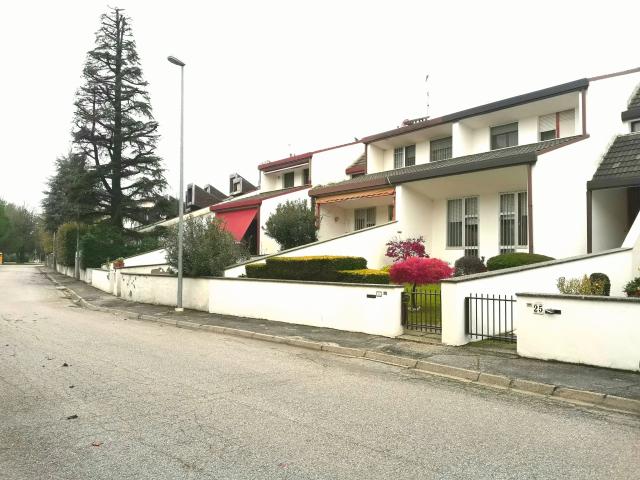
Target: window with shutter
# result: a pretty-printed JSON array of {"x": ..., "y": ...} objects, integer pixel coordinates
[{"x": 504, "y": 136}]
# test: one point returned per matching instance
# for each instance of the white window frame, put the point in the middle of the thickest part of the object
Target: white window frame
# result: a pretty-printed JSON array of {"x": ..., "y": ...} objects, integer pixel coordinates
[
  {"x": 517, "y": 212},
  {"x": 400, "y": 156},
  {"x": 465, "y": 217}
]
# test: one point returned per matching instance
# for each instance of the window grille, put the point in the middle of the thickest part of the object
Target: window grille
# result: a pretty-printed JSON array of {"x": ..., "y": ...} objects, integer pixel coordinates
[
  {"x": 364, "y": 217},
  {"x": 441, "y": 149},
  {"x": 514, "y": 221}
]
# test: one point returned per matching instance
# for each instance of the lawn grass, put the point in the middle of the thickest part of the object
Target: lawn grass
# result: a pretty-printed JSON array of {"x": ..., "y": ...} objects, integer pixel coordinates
[{"x": 424, "y": 308}]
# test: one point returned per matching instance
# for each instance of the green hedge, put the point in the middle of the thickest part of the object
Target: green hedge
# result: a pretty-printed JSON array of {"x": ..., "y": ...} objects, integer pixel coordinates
[
  {"x": 508, "y": 260},
  {"x": 366, "y": 275},
  {"x": 317, "y": 268},
  {"x": 65, "y": 245},
  {"x": 104, "y": 242}
]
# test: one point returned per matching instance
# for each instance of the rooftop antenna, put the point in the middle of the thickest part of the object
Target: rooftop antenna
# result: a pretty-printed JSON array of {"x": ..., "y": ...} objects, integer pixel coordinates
[{"x": 426, "y": 81}]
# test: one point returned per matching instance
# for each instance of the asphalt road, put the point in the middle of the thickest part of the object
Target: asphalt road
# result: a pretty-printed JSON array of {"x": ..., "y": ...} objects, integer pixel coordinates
[{"x": 158, "y": 402}]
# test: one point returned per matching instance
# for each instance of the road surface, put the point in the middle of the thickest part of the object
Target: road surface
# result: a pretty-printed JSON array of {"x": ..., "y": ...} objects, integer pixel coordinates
[{"x": 89, "y": 395}]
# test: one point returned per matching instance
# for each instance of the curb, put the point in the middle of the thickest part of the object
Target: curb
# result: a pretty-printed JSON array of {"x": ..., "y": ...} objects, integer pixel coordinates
[{"x": 556, "y": 392}]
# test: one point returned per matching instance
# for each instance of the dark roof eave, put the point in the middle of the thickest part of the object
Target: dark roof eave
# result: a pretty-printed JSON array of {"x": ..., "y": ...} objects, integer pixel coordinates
[
  {"x": 483, "y": 109},
  {"x": 615, "y": 182},
  {"x": 331, "y": 189},
  {"x": 254, "y": 201},
  {"x": 492, "y": 163},
  {"x": 630, "y": 114}
]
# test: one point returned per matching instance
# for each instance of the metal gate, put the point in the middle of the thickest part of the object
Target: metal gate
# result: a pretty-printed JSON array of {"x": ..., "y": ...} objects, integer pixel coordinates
[
  {"x": 421, "y": 311},
  {"x": 490, "y": 316}
]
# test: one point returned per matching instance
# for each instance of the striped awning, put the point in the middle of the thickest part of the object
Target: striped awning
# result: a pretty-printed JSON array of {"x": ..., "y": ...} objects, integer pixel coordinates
[{"x": 380, "y": 192}]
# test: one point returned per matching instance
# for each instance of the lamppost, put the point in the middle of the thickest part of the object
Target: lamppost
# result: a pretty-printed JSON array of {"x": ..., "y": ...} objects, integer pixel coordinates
[{"x": 181, "y": 64}]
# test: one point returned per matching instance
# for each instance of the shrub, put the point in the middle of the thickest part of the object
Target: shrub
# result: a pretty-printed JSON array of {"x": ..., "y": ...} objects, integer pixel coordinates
[
  {"x": 420, "y": 271},
  {"x": 366, "y": 275},
  {"x": 400, "y": 250},
  {"x": 580, "y": 286},
  {"x": 104, "y": 241},
  {"x": 468, "y": 265},
  {"x": 603, "y": 280},
  {"x": 66, "y": 239},
  {"x": 292, "y": 224},
  {"x": 632, "y": 289},
  {"x": 516, "y": 259},
  {"x": 207, "y": 248},
  {"x": 256, "y": 270},
  {"x": 313, "y": 268}
]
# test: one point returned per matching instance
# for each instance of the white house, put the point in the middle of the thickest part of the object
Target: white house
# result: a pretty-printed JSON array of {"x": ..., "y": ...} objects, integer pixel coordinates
[
  {"x": 507, "y": 176},
  {"x": 283, "y": 180}
]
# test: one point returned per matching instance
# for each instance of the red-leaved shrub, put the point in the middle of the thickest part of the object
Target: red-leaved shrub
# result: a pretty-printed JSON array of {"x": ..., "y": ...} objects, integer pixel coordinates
[
  {"x": 400, "y": 250},
  {"x": 420, "y": 271}
]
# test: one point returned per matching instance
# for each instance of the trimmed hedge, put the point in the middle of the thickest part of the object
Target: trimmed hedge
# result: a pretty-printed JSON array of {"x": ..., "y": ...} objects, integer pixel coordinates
[
  {"x": 468, "y": 265},
  {"x": 517, "y": 259},
  {"x": 366, "y": 275},
  {"x": 317, "y": 268}
]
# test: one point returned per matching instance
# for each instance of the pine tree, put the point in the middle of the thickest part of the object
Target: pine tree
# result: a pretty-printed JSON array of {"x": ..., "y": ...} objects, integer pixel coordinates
[
  {"x": 114, "y": 126},
  {"x": 72, "y": 194}
]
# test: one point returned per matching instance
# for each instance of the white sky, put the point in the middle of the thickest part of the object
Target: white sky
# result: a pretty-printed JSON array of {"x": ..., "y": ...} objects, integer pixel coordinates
[{"x": 268, "y": 78}]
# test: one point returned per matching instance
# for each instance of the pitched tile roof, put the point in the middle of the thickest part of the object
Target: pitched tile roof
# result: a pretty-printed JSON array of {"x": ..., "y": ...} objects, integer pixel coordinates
[
  {"x": 359, "y": 166},
  {"x": 468, "y": 163},
  {"x": 634, "y": 102},
  {"x": 253, "y": 200},
  {"x": 633, "y": 107},
  {"x": 620, "y": 166}
]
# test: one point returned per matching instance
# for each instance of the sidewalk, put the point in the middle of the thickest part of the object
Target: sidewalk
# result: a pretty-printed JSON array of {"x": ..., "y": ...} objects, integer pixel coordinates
[{"x": 503, "y": 369}]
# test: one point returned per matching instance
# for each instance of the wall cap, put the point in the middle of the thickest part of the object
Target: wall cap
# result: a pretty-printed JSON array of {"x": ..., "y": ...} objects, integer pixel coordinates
[
  {"x": 522, "y": 268},
  {"x": 593, "y": 298}
]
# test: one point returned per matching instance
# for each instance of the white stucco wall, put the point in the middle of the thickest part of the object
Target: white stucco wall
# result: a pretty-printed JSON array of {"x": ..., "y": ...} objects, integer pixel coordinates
[
  {"x": 162, "y": 290},
  {"x": 609, "y": 216},
  {"x": 375, "y": 159},
  {"x": 268, "y": 245},
  {"x": 103, "y": 280},
  {"x": 343, "y": 307},
  {"x": 335, "y": 221},
  {"x": 461, "y": 139},
  {"x": 617, "y": 265},
  {"x": 368, "y": 243},
  {"x": 329, "y": 166},
  {"x": 603, "y": 333},
  {"x": 154, "y": 257}
]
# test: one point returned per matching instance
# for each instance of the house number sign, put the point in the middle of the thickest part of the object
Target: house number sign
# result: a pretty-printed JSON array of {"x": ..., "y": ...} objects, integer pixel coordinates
[{"x": 538, "y": 309}]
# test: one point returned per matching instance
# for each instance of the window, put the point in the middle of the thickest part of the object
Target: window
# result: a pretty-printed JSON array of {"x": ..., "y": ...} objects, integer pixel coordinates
[
  {"x": 287, "y": 180},
  {"x": 306, "y": 176},
  {"x": 404, "y": 156},
  {"x": 555, "y": 125},
  {"x": 463, "y": 224},
  {"x": 514, "y": 226},
  {"x": 440, "y": 149},
  {"x": 635, "y": 126},
  {"x": 390, "y": 213},
  {"x": 236, "y": 185},
  {"x": 364, "y": 217},
  {"x": 504, "y": 136}
]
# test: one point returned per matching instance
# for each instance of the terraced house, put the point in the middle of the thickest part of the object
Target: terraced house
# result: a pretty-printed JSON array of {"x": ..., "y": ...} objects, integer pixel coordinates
[{"x": 555, "y": 171}]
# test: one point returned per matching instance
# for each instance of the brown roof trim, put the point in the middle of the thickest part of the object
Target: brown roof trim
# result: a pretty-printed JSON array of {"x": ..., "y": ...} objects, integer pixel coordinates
[
  {"x": 356, "y": 169},
  {"x": 283, "y": 163},
  {"x": 483, "y": 109},
  {"x": 253, "y": 201},
  {"x": 339, "y": 188},
  {"x": 615, "y": 74}
]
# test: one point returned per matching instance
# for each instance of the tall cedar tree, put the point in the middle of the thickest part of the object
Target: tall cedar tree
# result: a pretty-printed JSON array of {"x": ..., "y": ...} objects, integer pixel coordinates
[
  {"x": 72, "y": 194},
  {"x": 114, "y": 125}
]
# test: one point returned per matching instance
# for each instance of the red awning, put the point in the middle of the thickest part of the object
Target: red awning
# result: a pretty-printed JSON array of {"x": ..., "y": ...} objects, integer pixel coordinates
[{"x": 237, "y": 223}]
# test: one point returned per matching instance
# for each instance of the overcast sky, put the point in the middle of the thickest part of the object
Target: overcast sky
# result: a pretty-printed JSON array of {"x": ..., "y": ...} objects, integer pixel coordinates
[{"x": 266, "y": 79}]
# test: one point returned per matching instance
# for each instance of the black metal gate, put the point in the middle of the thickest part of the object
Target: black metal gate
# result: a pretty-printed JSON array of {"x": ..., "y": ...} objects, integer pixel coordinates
[
  {"x": 421, "y": 311},
  {"x": 490, "y": 316}
]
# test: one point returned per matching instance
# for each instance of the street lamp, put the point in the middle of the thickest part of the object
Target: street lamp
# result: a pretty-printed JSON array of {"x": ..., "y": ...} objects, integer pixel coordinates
[{"x": 181, "y": 64}]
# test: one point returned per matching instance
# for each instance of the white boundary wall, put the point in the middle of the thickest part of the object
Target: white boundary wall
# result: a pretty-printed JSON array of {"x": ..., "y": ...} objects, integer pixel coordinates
[
  {"x": 163, "y": 290},
  {"x": 372, "y": 309},
  {"x": 154, "y": 257},
  {"x": 541, "y": 277},
  {"x": 589, "y": 330},
  {"x": 369, "y": 243},
  {"x": 103, "y": 279}
]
